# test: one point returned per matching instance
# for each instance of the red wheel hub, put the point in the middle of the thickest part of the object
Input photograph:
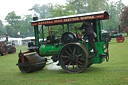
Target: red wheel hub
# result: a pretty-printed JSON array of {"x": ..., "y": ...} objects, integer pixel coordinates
[{"x": 120, "y": 39}]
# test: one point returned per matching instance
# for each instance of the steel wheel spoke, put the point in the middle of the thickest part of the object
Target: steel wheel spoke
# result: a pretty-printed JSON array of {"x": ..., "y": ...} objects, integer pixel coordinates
[
  {"x": 80, "y": 54},
  {"x": 79, "y": 62},
  {"x": 67, "y": 53},
  {"x": 82, "y": 59},
  {"x": 77, "y": 66},
  {"x": 66, "y": 61},
  {"x": 80, "y": 66},
  {"x": 65, "y": 56},
  {"x": 73, "y": 66},
  {"x": 70, "y": 49},
  {"x": 69, "y": 64},
  {"x": 74, "y": 50}
]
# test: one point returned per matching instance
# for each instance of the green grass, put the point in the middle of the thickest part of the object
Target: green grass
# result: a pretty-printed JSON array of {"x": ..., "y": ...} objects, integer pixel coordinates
[{"x": 114, "y": 72}]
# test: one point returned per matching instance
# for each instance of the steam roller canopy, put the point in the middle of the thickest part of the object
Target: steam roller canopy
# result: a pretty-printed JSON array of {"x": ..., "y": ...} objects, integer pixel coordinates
[
  {"x": 68, "y": 37},
  {"x": 32, "y": 62}
]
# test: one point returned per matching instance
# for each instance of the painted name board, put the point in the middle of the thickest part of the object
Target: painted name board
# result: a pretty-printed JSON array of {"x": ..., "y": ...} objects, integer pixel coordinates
[{"x": 57, "y": 21}]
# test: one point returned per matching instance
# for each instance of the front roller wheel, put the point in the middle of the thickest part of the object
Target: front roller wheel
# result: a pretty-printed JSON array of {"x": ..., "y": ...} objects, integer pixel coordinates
[
  {"x": 31, "y": 63},
  {"x": 73, "y": 58}
]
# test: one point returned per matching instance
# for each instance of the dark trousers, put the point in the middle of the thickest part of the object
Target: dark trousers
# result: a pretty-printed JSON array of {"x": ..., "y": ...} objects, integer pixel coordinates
[{"x": 91, "y": 42}]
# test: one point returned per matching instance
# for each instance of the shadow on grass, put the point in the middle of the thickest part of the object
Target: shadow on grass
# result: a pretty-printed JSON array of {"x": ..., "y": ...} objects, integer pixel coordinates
[
  {"x": 46, "y": 72},
  {"x": 93, "y": 69}
]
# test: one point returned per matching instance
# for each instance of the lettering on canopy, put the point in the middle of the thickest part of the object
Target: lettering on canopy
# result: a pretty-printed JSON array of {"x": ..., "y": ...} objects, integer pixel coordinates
[{"x": 72, "y": 19}]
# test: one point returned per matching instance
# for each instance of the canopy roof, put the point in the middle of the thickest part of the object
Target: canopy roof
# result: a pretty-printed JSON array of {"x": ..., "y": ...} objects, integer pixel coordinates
[{"x": 103, "y": 15}]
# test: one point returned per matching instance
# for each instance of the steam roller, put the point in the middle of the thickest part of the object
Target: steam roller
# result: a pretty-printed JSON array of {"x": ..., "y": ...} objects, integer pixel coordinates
[
  {"x": 30, "y": 62},
  {"x": 72, "y": 51}
]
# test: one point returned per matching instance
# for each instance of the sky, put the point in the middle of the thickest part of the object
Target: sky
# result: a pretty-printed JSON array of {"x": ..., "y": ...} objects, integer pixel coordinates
[{"x": 21, "y": 6}]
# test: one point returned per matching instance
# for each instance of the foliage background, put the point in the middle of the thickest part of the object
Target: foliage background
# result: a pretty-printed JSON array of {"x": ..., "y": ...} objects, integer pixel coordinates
[{"x": 16, "y": 23}]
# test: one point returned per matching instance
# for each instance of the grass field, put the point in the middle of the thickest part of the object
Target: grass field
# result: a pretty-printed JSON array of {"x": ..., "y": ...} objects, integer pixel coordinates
[{"x": 114, "y": 72}]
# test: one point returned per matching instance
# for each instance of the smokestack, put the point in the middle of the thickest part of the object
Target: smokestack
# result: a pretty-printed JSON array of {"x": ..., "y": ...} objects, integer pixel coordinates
[{"x": 6, "y": 37}]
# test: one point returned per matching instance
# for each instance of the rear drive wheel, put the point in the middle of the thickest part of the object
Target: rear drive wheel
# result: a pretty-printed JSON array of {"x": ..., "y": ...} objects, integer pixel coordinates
[{"x": 73, "y": 58}]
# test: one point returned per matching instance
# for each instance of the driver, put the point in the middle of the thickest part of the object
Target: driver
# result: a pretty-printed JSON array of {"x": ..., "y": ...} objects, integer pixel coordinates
[
  {"x": 89, "y": 32},
  {"x": 51, "y": 38}
]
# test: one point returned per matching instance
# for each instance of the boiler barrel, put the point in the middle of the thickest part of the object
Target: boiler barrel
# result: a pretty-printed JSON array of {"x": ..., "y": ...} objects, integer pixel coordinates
[{"x": 32, "y": 62}]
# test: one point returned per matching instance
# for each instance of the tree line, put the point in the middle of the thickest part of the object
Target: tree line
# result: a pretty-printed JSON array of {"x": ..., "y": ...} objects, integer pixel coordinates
[{"x": 18, "y": 24}]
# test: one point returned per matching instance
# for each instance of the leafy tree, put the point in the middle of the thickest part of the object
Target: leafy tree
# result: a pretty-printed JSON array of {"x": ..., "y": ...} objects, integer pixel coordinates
[
  {"x": 12, "y": 18},
  {"x": 114, "y": 10},
  {"x": 124, "y": 19},
  {"x": 13, "y": 24},
  {"x": 60, "y": 10},
  {"x": 85, "y": 6},
  {"x": 76, "y": 5},
  {"x": 2, "y": 29},
  {"x": 26, "y": 29},
  {"x": 41, "y": 11},
  {"x": 113, "y": 22},
  {"x": 96, "y": 5}
]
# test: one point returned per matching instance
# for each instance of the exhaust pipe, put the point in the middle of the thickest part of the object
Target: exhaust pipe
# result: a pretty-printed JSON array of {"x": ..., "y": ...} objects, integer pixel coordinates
[{"x": 31, "y": 63}]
